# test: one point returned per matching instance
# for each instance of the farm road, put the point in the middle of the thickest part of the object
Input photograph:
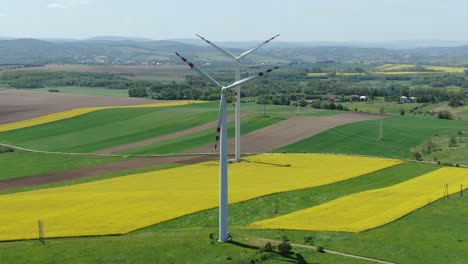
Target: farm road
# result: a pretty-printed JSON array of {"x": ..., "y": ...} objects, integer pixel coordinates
[
  {"x": 261, "y": 241},
  {"x": 260, "y": 141},
  {"x": 20, "y": 104}
]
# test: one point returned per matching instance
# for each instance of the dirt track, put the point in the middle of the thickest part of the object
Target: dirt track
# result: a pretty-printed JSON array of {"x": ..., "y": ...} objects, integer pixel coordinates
[
  {"x": 262, "y": 140},
  {"x": 16, "y": 104}
]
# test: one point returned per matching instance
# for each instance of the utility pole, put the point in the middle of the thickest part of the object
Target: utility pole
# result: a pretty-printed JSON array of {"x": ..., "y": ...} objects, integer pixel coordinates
[{"x": 381, "y": 130}]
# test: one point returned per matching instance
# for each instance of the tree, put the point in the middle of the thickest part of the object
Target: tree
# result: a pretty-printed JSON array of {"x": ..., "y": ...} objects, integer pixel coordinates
[
  {"x": 430, "y": 147},
  {"x": 302, "y": 102},
  {"x": 268, "y": 247},
  {"x": 415, "y": 155},
  {"x": 452, "y": 141},
  {"x": 316, "y": 104},
  {"x": 444, "y": 115},
  {"x": 284, "y": 248}
]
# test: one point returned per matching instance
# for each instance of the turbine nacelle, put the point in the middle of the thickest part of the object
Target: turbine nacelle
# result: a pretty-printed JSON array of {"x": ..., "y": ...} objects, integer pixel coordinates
[{"x": 222, "y": 103}]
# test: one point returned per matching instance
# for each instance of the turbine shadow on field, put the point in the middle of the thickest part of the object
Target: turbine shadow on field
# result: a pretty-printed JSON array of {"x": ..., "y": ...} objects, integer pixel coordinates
[{"x": 268, "y": 163}]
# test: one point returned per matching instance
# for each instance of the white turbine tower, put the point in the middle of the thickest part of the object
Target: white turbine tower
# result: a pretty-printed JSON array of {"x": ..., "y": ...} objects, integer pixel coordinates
[
  {"x": 223, "y": 153},
  {"x": 237, "y": 78}
]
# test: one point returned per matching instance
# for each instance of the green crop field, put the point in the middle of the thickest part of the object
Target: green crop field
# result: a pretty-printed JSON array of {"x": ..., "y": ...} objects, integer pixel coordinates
[
  {"x": 87, "y": 90},
  {"x": 388, "y": 107},
  {"x": 401, "y": 133},
  {"x": 107, "y": 128},
  {"x": 248, "y": 124},
  {"x": 21, "y": 164}
]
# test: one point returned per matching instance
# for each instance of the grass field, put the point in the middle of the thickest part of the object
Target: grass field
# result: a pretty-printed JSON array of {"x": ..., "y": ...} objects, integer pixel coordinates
[
  {"x": 436, "y": 233},
  {"x": 177, "y": 246},
  {"x": 248, "y": 124},
  {"x": 81, "y": 111},
  {"x": 370, "y": 209},
  {"x": 389, "y": 107},
  {"x": 401, "y": 133},
  {"x": 107, "y": 128},
  {"x": 88, "y": 90},
  {"x": 123, "y": 204},
  {"x": 21, "y": 164}
]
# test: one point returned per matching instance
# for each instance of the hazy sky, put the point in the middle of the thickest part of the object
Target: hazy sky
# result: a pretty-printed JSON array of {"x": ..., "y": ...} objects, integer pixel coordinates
[{"x": 295, "y": 20}]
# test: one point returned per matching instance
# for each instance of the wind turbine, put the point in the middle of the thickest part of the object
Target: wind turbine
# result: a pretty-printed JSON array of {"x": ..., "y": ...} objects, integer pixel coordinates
[
  {"x": 237, "y": 78},
  {"x": 222, "y": 129}
]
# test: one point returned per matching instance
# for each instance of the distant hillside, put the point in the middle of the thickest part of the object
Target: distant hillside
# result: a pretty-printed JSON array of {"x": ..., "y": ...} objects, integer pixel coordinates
[
  {"x": 116, "y": 38},
  {"x": 135, "y": 51}
]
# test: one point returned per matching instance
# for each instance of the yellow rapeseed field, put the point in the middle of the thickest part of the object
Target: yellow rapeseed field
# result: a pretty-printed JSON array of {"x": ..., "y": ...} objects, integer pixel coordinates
[
  {"x": 401, "y": 72},
  {"x": 446, "y": 69},
  {"x": 370, "y": 209},
  {"x": 123, "y": 204},
  {"x": 80, "y": 111},
  {"x": 395, "y": 67}
]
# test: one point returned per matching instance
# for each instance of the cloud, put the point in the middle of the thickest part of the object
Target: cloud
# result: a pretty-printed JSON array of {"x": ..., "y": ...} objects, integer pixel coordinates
[
  {"x": 56, "y": 5},
  {"x": 67, "y": 4},
  {"x": 3, "y": 14}
]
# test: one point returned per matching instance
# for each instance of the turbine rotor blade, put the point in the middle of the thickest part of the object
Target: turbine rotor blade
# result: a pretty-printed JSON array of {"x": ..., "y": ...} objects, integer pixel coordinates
[
  {"x": 255, "y": 48},
  {"x": 227, "y": 53},
  {"x": 202, "y": 73},
  {"x": 221, "y": 115},
  {"x": 260, "y": 74}
]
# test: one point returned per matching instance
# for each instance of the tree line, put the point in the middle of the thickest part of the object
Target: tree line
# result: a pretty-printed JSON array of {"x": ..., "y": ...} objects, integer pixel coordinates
[{"x": 278, "y": 88}]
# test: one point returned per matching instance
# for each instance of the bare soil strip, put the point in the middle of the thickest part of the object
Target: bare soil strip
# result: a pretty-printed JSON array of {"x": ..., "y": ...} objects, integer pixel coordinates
[
  {"x": 162, "y": 138},
  {"x": 18, "y": 104},
  {"x": 96, "y": 170},
  {"x": 260, "y": 141}
]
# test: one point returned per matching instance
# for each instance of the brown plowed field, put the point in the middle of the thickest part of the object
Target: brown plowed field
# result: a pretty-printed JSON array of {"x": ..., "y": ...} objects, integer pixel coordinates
[
  {"x": 289, "y": 131},
  {"x": 16, "y": 104},
  {"x": 96, "y": 170},
  {"x": 262, "y": 140}
]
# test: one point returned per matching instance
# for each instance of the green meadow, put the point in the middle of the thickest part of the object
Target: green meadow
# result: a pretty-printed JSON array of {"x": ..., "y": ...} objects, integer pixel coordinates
[{"x": 400, "y": 134}]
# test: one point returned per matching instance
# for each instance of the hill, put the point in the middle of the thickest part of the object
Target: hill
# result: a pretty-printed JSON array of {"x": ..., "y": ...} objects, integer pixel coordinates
[{"x": 140, "y": 51}]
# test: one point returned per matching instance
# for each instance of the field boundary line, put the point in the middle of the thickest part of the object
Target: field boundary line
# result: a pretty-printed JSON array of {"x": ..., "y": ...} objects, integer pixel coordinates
[
  {"x": 334, "y": 252},
  {"x": 110, "y": 155},
  {"x": 206, "y": 154}
]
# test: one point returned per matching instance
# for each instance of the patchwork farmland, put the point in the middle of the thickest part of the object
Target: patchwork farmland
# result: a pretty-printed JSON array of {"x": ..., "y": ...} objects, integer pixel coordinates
[{"x": 137, "y": 174}]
